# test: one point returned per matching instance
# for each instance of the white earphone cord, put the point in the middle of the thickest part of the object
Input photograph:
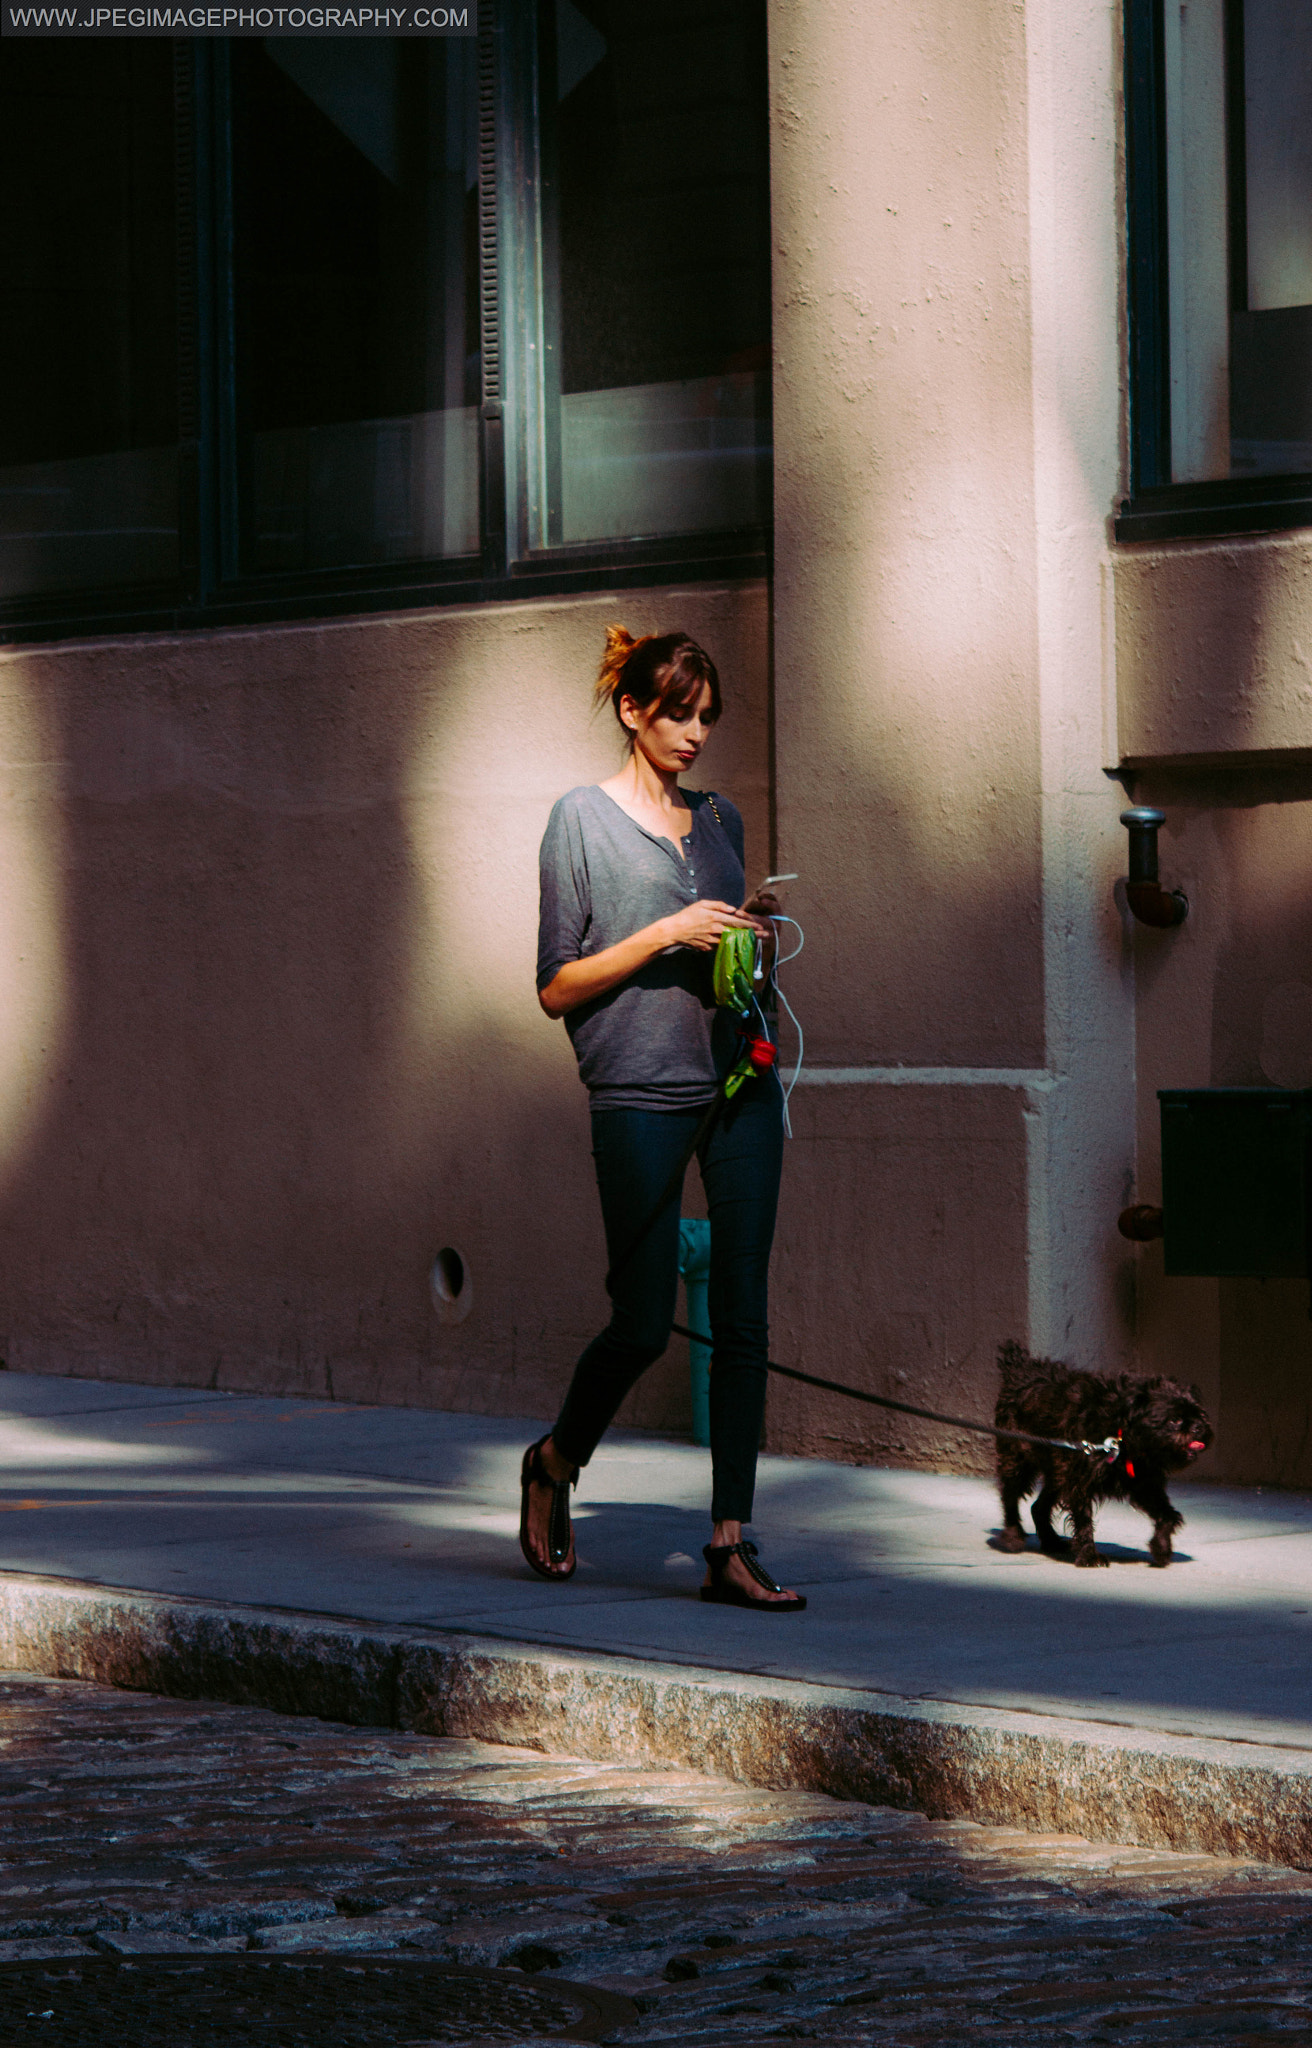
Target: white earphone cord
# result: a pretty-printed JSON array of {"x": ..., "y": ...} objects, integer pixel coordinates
[{"x": 792, "y": 1014}]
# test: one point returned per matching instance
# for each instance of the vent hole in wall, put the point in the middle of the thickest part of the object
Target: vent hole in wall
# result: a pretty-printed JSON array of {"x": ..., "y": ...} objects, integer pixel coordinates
[
  {"x": 448, "y": 1274},
  {"x": 452, "y": 1288}
]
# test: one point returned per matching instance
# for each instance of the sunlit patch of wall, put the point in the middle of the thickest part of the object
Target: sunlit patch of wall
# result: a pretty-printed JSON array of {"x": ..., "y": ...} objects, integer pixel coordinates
[
  {"x": 1214, "y": 649},
  {"x": 507, "y": 729},
  {"x": 33, "y": 967},
  {"x": 905, "y": 573}
]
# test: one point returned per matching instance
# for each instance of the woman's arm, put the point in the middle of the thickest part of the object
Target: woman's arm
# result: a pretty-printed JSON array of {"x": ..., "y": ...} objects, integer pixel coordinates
[{"x": 699, "y": 926}]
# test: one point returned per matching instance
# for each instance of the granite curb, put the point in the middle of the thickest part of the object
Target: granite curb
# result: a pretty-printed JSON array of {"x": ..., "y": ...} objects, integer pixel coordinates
[{"x": 951, "y": 1761}]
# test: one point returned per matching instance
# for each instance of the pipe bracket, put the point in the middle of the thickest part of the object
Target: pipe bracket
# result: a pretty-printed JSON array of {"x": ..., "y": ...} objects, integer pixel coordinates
[{"x": 1149, "y": 902}]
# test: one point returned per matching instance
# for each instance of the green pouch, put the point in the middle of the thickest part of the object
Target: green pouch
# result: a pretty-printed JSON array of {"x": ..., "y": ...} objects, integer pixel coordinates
[{"x": 733, "y": 971}]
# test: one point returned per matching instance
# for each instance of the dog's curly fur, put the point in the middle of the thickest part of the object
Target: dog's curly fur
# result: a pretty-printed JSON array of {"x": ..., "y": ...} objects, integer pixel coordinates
[{"x": 1162, "y": 1427}]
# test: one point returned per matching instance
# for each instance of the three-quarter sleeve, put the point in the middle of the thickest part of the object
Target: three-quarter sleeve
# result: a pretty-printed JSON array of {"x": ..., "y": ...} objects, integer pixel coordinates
[{"x": 565, "y": 899}]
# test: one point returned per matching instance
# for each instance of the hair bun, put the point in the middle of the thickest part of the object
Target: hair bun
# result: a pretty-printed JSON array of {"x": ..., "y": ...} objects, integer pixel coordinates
[
  {"x": 620, "y": 644},
  {"x": 660, "y": 674}
]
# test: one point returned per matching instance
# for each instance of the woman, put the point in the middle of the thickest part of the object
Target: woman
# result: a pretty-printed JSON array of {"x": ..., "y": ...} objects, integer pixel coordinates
[{"x": 639, "y": 879}]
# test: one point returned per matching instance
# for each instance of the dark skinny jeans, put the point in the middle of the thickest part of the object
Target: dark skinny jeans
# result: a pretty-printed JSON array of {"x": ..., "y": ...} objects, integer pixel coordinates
[{"x": 635, "y": 1152}]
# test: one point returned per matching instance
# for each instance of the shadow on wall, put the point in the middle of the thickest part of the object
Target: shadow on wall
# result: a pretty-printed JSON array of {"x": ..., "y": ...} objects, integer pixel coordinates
[
  {"x": 1262, "y": 1034},
  {"x": 1231, "y": 1006},
  {"x": 902, "y": 1262},
  {"x": 271, "y": 1040}
]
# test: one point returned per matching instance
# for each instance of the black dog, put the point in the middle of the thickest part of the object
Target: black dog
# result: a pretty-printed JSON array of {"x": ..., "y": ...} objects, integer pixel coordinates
[{"x": 1159, "y": 1425}]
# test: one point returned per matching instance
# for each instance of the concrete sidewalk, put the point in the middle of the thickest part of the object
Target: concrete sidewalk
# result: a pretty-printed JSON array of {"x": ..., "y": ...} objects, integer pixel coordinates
[{"x": 407, "y": 1519}]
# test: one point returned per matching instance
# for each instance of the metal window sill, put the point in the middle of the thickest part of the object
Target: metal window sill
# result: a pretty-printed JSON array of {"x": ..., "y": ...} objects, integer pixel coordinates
[
  {"x": 419, "y": 586},
  {"x": 1202, "y": 511}
]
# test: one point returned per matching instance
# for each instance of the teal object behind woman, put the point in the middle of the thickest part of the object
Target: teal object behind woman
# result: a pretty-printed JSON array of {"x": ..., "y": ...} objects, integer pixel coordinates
[{"x": 695, "y": 1266}]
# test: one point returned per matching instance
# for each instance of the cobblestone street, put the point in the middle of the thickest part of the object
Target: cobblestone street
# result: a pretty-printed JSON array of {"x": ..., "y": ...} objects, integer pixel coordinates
[{"x": 134, "y": 1825}]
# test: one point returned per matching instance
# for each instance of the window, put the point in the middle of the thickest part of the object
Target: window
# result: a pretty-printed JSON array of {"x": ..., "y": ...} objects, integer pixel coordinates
[
  {"x": 355, "y": 295},
  {"x": 89, "y": 455},
  {"x": 657, "y": 299},
  {"x": 294, "y": 325},
  {"x": 1220, "y": 131}
]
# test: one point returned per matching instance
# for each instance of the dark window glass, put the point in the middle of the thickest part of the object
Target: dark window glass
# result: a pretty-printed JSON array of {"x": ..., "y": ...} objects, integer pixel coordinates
[
  {"x": 656, "y": 239},
  {"x": 88, "y": 327},
  {"x": 281, "y": 318},
  {"x": 355, "y": 221},
  {"x": 1271, "y": 342},
  {"x": 1238, "y": 104}
]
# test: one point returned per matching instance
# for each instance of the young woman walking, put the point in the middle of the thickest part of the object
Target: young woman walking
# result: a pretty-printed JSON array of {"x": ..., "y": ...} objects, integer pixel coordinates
[{"x": 639, "y": 879}]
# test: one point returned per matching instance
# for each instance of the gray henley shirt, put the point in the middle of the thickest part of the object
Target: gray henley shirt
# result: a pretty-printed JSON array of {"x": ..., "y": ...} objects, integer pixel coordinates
[{"x": 657, "y": 1041}]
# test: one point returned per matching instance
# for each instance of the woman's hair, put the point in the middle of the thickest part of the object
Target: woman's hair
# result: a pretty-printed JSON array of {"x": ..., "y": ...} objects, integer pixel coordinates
[{"x": 662, "y": 672}]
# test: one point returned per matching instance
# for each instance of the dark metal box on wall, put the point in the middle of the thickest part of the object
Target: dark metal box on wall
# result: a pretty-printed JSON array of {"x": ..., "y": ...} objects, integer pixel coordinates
[{"x": 1235, "y": 1181}]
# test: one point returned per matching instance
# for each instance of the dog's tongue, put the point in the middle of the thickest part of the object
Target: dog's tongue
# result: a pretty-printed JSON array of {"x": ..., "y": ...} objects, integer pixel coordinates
[{"x": 1196, "y": 1446}]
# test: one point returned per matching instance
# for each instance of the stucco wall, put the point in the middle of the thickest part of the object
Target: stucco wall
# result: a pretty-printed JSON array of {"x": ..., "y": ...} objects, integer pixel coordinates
[
  {"x": 908, "y": 751},
  {"x": 1214, "y": 648},
  {"x": 1226, "y": 1001},
  {"x": 947, "y": 421},
  {"x": 1214, "y": 667},
  {"x": 269, "y": 1038},
  {"x": 903, "y": 1259}
]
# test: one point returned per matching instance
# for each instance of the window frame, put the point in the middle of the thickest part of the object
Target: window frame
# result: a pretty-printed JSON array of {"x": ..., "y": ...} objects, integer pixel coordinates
[
  {"x": 1156, "y": 508},
  {"x": 211, "y": 588}
]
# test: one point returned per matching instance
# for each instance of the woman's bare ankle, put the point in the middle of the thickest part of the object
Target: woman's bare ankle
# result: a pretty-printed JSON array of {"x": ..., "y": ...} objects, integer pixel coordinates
[{"x": 559, "y": 1468}]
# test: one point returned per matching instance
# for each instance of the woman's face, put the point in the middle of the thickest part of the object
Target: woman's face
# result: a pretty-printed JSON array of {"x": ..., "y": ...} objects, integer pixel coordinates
[{"x": 671, "y": 740}]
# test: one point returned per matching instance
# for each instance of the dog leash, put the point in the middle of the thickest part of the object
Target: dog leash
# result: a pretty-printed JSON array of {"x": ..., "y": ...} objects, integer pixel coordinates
[{"x": 1109, "y": 1448}]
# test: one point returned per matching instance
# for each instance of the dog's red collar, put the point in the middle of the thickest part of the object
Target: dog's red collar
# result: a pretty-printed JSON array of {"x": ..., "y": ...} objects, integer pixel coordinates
[{"x": 1115, "y": 1453}]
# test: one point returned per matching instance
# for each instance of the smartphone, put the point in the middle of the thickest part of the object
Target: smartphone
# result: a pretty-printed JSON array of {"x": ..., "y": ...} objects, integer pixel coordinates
[{"x": 770, "y": 882}]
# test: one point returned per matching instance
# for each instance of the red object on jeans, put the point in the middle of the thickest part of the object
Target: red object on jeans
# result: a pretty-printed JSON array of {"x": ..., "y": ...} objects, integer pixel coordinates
[{"x": 761, "y": 1053}]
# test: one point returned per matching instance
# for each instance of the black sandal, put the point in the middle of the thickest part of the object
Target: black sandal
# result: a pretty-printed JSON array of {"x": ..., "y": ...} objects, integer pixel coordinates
[
  {"x": 559, "y": 1534},
  {"x": 717, "y": 1556}
]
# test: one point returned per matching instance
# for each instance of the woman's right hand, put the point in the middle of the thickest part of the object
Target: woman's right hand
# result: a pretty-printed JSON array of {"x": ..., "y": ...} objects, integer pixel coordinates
[{"x": 701, "y": 924}]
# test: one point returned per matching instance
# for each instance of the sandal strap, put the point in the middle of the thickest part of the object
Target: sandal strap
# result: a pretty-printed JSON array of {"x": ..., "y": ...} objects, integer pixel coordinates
[
  {"x": 717, "y": 1556},
  {"x": 540, "y": 1476},
  {"x": 559, "y": 1533}
]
